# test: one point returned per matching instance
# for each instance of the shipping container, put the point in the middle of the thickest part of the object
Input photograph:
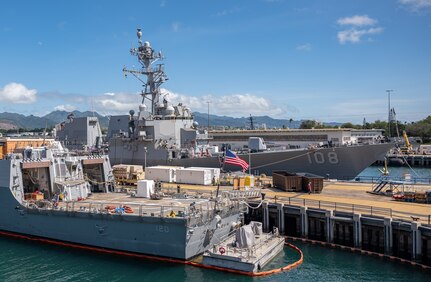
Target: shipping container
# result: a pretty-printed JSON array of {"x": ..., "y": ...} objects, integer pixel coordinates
[
  {"x": 315, "y": 180},
  {"x": 161, "y": 173},
  {"x": 215, "y": 172},
  {"x": 198, "y": 176},
  {"x": 286, "y": 181}
]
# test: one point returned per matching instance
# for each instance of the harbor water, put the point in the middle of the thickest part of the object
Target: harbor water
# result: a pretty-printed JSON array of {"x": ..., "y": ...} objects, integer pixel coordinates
[
  {"x": 420, "y": 174},
  {"x": 26, "y": 261}
]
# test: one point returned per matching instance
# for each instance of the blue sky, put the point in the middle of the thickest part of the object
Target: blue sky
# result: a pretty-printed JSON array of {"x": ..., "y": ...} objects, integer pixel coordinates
[{"x": 330, "y": 60}]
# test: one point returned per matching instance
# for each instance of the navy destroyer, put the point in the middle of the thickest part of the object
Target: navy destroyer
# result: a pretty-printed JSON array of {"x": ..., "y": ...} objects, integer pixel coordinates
[{"x": 165, "y": 134}]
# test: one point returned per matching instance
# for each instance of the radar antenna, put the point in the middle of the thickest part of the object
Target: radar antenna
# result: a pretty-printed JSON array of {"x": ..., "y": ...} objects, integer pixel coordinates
[{"x": 155, "y": 74}]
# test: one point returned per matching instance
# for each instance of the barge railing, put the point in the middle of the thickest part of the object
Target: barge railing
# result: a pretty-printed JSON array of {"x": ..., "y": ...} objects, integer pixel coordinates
[{"x": 195, "y": 213}]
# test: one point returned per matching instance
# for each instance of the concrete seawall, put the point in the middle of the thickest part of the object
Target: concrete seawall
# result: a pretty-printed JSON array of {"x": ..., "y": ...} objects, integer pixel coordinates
[{"x": 385, "y": 235}]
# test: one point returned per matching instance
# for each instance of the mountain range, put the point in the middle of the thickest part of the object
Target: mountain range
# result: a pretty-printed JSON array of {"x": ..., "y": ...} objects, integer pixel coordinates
[{"x": 14, "y": 120}]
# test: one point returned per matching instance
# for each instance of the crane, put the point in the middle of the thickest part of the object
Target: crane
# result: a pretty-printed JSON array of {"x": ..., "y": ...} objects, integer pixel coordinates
[{"x": 408, "y": 148}]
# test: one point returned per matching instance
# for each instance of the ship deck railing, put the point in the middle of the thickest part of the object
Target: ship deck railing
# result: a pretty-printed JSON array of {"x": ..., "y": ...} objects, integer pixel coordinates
[{"x": 196, "y": 214}]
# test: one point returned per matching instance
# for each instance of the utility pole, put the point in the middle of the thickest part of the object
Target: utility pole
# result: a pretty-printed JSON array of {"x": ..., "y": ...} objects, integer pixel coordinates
[
  {"x": 389, "y": 111},
  {"x": 208, "y": 102}
]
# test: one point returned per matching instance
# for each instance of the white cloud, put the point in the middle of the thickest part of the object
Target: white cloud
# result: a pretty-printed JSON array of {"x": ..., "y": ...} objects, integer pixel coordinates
[
  {"x": 304, "y": 47},
  {"x": 17, "y": 93},
  {"x": 354, "y": 35},
  {"x": 175, "y": 26},
  {"x": 236, "y": 105},
  {"x": 110, "y": 103},
  {"x": 357, "y": 20},
  {"x": 228, "y": 12},
  {"x": 115, "y": 103},
  {"x": 355, "y": 30},
  {"x": 67, "y": 108},
  {"x": 416, "y": 4}
]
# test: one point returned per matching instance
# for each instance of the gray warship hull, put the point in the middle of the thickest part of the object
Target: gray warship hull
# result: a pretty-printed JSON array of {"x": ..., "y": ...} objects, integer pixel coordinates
[
  {"x": 337, "y": 162},
  {"x": 87, "y": 223}
]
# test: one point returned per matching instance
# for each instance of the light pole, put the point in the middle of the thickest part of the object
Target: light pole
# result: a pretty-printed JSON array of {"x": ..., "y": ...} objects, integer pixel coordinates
[
  {"x": 208, "y": 102},
  {"x": 145, "y": 159},
  {"x": 389, "y": 111},
  {"x": 249, "y": 161}
]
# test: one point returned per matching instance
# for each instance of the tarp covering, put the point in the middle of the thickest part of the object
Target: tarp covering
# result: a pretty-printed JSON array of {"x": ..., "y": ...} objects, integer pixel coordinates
[
  {"x": 256, "y": 227},
  {"x": 245, "y": 237}
]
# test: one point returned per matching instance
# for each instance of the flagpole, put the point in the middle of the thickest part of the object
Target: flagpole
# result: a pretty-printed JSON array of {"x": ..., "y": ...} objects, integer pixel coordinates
[{"x": 224, "y": 157}]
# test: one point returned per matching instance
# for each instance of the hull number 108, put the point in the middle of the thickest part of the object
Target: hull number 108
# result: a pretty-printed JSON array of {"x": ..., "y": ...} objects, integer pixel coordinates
[{"x": 321, "y": 158}]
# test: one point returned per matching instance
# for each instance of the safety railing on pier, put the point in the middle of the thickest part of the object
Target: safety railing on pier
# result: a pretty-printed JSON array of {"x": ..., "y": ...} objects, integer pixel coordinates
[
  {"x": 354, "y": 208},
  {"x": 375, "y": 179}
]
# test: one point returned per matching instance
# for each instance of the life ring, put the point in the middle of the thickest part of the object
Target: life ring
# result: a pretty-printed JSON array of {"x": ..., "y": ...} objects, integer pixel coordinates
[
  {"x": 128, "y": 209},
  {"x": 222, "y": 250}
]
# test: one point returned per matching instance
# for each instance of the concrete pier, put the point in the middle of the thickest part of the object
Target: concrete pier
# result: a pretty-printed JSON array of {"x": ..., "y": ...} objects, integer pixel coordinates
[
  {"x": 388, "y": 235},
  {"x": 404, "y": 239},
  {"x": 344, "y": 214},
  {"x": 304, "y": 221},
  {"x": 357, "y": 238}
]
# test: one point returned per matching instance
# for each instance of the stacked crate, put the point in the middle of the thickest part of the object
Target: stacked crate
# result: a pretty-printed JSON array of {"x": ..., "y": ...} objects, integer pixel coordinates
[
  {"x": 121, "y": 171},
  {"x": 128, "y": 174}
]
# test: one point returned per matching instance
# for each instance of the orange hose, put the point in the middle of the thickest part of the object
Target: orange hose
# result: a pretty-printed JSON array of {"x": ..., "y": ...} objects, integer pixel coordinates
[
  {"x": 150, "y": 257},
  {"x": 364, "y": 252}
]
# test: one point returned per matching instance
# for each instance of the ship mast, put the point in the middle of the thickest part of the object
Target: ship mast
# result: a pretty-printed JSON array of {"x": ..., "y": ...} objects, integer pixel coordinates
[{"x": 155, "y": 74}]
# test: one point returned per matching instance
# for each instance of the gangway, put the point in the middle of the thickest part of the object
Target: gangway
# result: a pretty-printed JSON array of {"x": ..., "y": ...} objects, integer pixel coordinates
[{"x": 393, "y": 185}]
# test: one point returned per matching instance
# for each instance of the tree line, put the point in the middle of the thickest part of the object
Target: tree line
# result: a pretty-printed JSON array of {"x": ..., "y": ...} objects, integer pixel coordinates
[{"x": 421, "y": 128}]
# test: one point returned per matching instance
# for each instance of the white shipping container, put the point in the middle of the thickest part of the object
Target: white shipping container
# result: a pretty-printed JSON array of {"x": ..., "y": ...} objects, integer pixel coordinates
[
  {"x": 145, "y": 188},
  {"x": 161, "y": 173},
  {"x": 215, "y": 172},
  {"x": 198, "y": 176}
]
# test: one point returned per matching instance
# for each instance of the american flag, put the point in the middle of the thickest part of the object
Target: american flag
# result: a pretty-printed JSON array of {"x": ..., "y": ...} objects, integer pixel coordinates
[{"x": 231, "y": 158}]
